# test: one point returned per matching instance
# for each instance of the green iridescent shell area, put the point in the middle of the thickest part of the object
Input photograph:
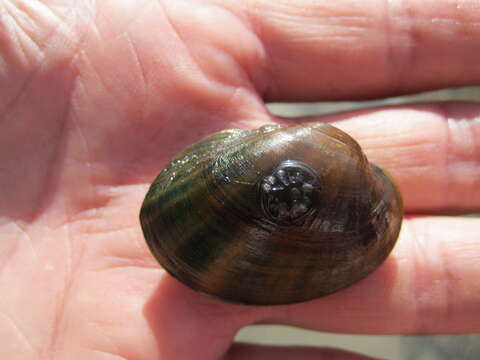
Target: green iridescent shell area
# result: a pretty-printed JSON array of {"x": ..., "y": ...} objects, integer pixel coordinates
[{"x": 276, "y": 215}]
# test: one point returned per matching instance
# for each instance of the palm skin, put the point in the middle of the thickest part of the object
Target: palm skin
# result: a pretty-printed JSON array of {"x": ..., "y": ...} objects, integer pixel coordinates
[
  {"x": 99, "y": 117},
  {"x": 95, "y": 98}
]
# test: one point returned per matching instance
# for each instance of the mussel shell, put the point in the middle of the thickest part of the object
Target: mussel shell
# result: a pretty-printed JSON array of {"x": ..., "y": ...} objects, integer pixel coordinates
[{"x": 205, "y": 219}]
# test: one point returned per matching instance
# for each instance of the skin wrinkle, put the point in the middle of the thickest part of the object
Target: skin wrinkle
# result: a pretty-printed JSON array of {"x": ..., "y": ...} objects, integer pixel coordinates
[
  {"x": 238, "y": 316},
  {"x": 41, "y": 51},
  {"x": 327, "y": 22},
  {"x": 444, "y": 154},
  {"x": 476, "y": 146},
  {"x": 82, "y": 34},
  {"x": 240, "y": 16},
  {"x": 10, "y": 104},
  {"x": 50, "y": 186},
  {"x": 257, "y": 70},
  {"x": 427, "y": 309},
  {"x": 202, "y": 76},
  {"x": 83, "y": 57},
  {"x": 30, "y": 8},
  {"x": 57, "y": 328},
  {"x": 84, "y": 218},
  {"x": 28, "y": 15},
  {"x": 388, "y": 42},
  {"x": 424, "y": 289},
  {"x": 60, "y": 322},
  {"x": 461, "y": 29},
  {"x": 111, "y": 355},
  {"x": 397, "y": 68},
  {"x": 20, "y": 334},
  {"x": 88, "y": 163},
  {"x": 194, "y": 60},
  {"x": 236, "y": 91},
  {"x": 46, "y": 190},
  {"x": 98, "y": 200},
  {"x": 178, "y": 35},
  {"x": 456, "y": 29},
  {"x": 127, "y": 26},
  {"x": 411, "y": 32},
  {"x": 7, "y": 254},
  {"x": 36, "y": 71},
  {"x": 29, "y": 239},
  {"x": 22, "y": 35},
  {"x": 269, "y": 86},
  {"x": 101, "y": 331},
  {"x": 139, "y": 257},
  {"x": 57, "y": 324},
  {"x": 239, "y": 88},
  {"x": 375, "y": 147},
  {"x": 455, "y": 126},
  {"x": 417, "y": 290},
  {"x": 470, "y": 125},
  {"x": 143, "y": 75},
  {"x": 263, "y": 83},
  {"x": 449, "y": 282},
  {"x": 448, "y": 149},
  {"x": 129, "y": 264},
  {"x": 400, "y": 60}
]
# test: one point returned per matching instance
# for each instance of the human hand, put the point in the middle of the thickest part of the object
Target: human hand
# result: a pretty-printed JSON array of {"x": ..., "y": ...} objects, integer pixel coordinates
[{"x": 95, "y": 97}]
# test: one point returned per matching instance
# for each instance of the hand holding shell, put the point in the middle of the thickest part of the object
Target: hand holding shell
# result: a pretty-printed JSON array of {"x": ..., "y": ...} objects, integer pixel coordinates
[{"x": 272, "y": 216}]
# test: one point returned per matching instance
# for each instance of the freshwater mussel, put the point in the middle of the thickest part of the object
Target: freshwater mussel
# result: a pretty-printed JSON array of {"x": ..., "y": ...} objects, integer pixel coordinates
[{"x": 275, "y": 215}]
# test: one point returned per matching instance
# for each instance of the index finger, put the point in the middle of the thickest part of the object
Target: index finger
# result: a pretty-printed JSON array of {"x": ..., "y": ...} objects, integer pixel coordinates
[{"x": 350, "y": 49}]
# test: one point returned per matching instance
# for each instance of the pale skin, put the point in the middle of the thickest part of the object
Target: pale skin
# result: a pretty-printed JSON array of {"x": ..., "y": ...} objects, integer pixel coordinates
[{"x": 96, "y": 96}]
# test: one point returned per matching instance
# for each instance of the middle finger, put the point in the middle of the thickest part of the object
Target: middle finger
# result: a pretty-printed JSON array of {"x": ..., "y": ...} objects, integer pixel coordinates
[{"x": 432, "y": 151}]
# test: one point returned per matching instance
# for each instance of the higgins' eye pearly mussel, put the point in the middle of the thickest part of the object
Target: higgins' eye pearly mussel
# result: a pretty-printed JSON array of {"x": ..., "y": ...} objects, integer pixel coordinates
[{"x": 276, "y": 215}]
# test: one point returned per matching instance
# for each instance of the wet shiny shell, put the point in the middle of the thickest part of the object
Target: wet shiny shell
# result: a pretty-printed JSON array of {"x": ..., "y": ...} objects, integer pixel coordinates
[{"x": 271, "y": 216}]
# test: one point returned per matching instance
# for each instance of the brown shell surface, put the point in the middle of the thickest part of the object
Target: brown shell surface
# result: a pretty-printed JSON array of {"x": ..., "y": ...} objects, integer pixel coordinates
[{"x": 204, "y": 221}]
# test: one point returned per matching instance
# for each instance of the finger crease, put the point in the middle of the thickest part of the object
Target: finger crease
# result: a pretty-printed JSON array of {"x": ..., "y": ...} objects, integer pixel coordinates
[
  {"x": 21, "y": 336},
  {"x": 399, "y": 50},
  {"x": 462, "y": 153}
]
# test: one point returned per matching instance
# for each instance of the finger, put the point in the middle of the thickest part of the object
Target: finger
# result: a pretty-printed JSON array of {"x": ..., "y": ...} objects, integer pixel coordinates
[
  {"x": 428, "y": 285},
  {"x": 351, "y": 49},
  {"x": 188, "y": 325},
  {"x": 432, "y": 151},
  {"x": 261, "y": 352}
]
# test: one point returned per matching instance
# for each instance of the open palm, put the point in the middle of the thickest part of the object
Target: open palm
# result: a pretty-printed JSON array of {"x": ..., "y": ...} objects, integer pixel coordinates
[{"x": 95, "y": 97}]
